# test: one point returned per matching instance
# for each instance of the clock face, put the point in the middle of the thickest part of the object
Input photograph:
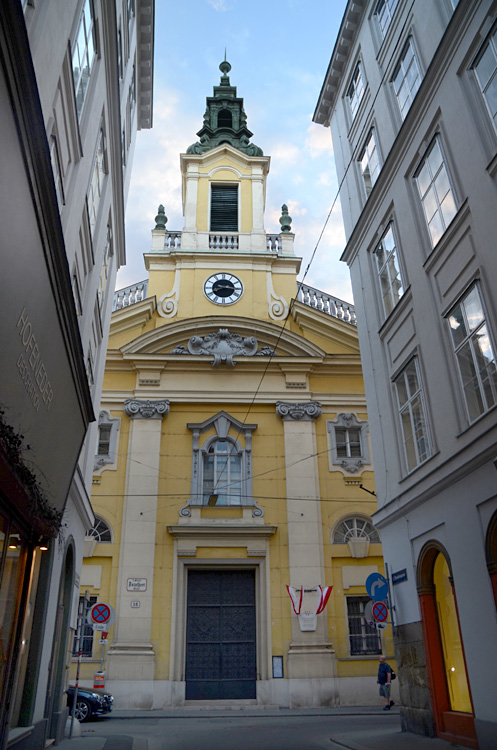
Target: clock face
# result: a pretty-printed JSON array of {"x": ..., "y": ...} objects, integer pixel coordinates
[{"x": 223, "y": 288}]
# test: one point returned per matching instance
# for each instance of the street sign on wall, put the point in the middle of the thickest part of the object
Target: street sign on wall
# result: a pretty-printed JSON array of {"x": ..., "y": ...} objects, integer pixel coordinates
[{"x": 377, "y": 587}]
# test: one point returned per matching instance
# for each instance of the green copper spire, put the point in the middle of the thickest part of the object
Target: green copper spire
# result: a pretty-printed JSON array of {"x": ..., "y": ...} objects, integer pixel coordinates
[{"x": 225, "y": 120}]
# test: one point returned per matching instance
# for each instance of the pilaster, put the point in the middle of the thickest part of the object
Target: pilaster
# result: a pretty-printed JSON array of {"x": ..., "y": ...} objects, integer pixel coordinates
[
  {"x": 131, "y": 656},
  {"x": 310, "y": 653}
]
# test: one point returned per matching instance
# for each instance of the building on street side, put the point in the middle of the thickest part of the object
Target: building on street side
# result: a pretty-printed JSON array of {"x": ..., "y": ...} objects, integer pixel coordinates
[{"x": 409, "y": 97}]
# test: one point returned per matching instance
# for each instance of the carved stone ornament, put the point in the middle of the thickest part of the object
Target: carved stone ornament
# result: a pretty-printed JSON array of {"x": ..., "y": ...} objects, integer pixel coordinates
[
  {"x": 146, "y": 409},
  {"x": 223, "y": 346},
  {"x": 306, "y": 411}
]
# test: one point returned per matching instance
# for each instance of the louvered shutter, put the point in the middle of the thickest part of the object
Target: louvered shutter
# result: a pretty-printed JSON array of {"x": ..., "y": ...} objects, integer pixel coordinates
[{"x": 224, "y": 208}]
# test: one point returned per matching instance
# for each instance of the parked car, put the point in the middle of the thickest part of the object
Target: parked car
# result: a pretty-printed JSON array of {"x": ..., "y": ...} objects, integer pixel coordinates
[{"x": 89, "y": 704}]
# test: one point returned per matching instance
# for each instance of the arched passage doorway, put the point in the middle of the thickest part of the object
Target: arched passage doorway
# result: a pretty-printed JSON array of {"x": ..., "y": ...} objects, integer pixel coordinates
[
  {"x": 445, "y": 662},
  {"x": 491, "y": 553}
]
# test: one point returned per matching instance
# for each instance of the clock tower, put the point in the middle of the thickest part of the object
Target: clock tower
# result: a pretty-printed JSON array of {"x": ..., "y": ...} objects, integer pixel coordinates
[{"x": 223, "y": 257}]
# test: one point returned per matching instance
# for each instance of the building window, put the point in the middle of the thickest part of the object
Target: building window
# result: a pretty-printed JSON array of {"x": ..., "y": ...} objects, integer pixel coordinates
[
  {"x": 56, "y": 170},
  {"x": 389, "y": 273},
  {"x": 369, "y": 162},
  {"x": 435, "y": 191},
  {"x": 76, "y": 292},
  {"x": 86, "y": 643},
  {"x": 222, "y": 465},
  {"x": 101, "y": 531},
  {"x": 222, "y": 474},
  {"x": 406, "y": 78},
  {"x": 96, "y": 183},
  {"x": 416, "y": 439},
  {"x": 474, "y": 353},
  {"x": 384, "y": 12},
  {"x": 89, "y": 368},
  {"x": 349, "y": 442},
  {"x": 364, "y": 639},
  {"x": 104, "y": 271},
  {"x": 108, "y": 429},
  {"x": 355, "y": 528},
  {"x": 485, "y": 69},
  {"x": 83, "y": 55},
  {"x": 224, "y": 208},
  {"x": 355, "y": 92}
]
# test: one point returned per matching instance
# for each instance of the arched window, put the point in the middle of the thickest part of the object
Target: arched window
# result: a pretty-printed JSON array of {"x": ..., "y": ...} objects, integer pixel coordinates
[
  {"x": 225, "y": 119},
  {"x": 222, "y": 474},
  {"x": 101, "y": 531},
  {"x": 355, "y": 528}
]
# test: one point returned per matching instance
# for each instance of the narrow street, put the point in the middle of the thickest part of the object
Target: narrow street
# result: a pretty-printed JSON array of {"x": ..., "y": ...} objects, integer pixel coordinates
[{"x": 262, "y": 730}]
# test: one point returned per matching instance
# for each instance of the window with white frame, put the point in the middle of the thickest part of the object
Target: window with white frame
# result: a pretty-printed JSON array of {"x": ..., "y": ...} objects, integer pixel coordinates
[
  {"x": 364, "y": 639},
  {"x": 222, "y": 473},
  {"x": 355, "y": 528},
  {"x": 349, "y": 442},
  {"x": 83, "y": 54},
  {"x": 100, "y": 531},
  {"x": 222, "y": 463},
  {"x": 406, "y": 79},
  {"x": 474, "y": 353},
  {"x": 95, "y": 188},
  {"x": 76, "y": 291},
  {"x": 415, "y": 433},
  {"x": 369, "y": 162},
  {"x": 56, "y": 170},
  {"x": 89, "y": 368},
  {"x": 485, "y": 68},
  {"x": 85, "y": 644},
  {"x": 108, "y": 429},
  {"x": 384, "y": 12},
  {"x": 355, "y": 91},
  {"x": 389, "y": 272},
  {"x": 435, "y": 191},
  {"x": 105, "y": 270}
]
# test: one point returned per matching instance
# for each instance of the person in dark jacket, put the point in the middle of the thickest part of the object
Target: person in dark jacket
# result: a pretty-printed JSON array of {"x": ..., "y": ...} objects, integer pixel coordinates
[{"x": 384, "y": 681}]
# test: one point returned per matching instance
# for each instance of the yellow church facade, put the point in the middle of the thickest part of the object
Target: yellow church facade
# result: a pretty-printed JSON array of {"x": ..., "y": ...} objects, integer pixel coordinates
[{"x": 233, "y": 461}]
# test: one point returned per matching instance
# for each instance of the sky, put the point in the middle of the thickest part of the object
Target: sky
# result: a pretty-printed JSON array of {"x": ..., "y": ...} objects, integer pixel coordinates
[{"x": 279, "y": 52}]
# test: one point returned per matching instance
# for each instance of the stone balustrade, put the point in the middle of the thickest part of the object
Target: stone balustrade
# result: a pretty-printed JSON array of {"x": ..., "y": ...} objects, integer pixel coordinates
[
  {"x": 172, "y": 240},
  {"x": 333, "y": 306},
  {"x": 273, "y": 243},
  {"x": 223, "y": 242},
  {"x": 129, "y": 295}
]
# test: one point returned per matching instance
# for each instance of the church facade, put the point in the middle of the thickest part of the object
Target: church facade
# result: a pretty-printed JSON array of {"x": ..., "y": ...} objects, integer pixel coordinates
[{"x": 232, "y": 461}]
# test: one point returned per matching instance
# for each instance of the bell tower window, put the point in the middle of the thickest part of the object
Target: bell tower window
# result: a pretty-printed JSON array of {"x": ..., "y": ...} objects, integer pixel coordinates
[
  {"x": 225, "y": 119},
  {"x": 224, "y": 208}
]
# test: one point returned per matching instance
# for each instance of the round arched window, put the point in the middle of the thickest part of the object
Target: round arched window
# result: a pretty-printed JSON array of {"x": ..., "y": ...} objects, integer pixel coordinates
[
  {"x": 355, "y": 528},
  {"x": 100, "y": 531}
]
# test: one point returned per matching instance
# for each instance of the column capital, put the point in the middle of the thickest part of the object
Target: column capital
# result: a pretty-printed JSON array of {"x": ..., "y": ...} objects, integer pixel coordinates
[
  {"x": 304, "y": 411},
  {"x": 145, "y": 408}
]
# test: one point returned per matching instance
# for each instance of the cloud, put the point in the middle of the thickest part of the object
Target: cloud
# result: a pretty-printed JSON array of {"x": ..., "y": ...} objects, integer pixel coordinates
[
  {"x": 219, "y": 5},
  {"x": 318, "y": 141}
]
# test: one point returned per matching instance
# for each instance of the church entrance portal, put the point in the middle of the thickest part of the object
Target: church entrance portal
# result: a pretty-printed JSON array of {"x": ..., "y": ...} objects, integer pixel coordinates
[{"x": 220, "y": 635}]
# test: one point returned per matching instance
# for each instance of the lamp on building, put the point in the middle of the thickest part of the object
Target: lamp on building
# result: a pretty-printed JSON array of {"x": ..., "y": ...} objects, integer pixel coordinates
[
  {"x": 14, "y": 541},
  {"x": 212, "y": 500},
  {"x": 43, "y": 543}
]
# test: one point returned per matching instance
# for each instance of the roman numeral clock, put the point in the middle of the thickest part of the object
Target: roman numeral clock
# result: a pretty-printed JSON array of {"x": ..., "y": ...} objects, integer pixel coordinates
[{"x": 223, "y": 288}]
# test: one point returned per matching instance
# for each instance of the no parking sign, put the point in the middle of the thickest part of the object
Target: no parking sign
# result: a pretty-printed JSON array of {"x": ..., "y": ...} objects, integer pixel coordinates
[{"x": 101, "y": 616}]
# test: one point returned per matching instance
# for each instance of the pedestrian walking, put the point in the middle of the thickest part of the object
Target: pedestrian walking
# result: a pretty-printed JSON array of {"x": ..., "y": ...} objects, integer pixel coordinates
[{"x": 385, "y": 681}]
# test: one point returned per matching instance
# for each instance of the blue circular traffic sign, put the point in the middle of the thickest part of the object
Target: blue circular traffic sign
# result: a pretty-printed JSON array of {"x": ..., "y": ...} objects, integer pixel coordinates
[{"x": 377, "y": 587}]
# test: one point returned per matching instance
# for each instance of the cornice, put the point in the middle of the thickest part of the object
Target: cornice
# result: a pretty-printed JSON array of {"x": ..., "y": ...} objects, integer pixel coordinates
[
  {"x": 224, "y": 149},
  {"x": 145, "y": 24},
  {"x": 171, "y": 335},
  {"x": 322, "y": 324},
  {"x": 133, "y": 316},
  {"x": 181, "y": 259},
  {"x": 331, "y": 402},
  {"x": 218, "y": 530},
  {"x": 343, "y": 47}
]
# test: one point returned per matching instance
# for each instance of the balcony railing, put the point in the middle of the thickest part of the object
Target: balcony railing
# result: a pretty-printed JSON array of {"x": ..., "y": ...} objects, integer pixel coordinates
[
  {"x": 129, "y": 295},
  {"x": 223, "y": 242},
  {"x": 333, "y": 306},
  {"x": 172, "y": 241}
]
